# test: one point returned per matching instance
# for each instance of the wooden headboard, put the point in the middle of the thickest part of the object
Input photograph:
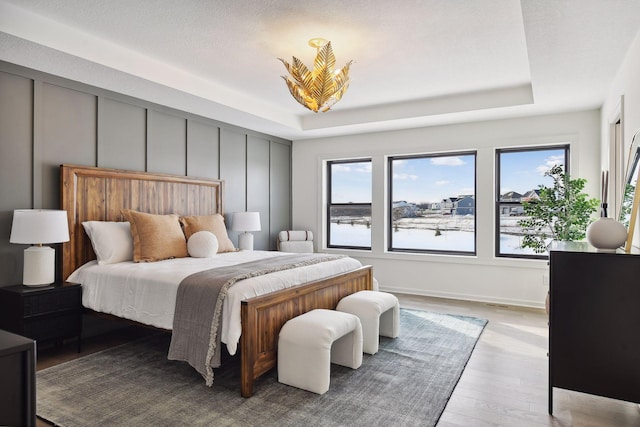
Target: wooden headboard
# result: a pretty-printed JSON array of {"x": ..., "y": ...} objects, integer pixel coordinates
[{"x": 98, "y": 194}]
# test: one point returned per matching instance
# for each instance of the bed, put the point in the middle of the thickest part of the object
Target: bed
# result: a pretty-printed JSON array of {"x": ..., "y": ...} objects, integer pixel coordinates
[{"x": 100, "y": 194}]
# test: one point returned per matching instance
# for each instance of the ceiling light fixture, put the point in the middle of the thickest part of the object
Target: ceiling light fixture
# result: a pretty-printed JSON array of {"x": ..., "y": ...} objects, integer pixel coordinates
[{"x": 319, "y": 89}]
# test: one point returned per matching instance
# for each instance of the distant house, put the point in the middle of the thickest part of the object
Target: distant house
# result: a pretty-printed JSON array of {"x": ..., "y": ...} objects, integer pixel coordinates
[
  {"x": 514, "y": 197},
  {"x": 531, "y": 195},
  {"x": 511, "y": 196},
  {"x": 465, "y": 205},
  {"x": 448, "y": 205}
]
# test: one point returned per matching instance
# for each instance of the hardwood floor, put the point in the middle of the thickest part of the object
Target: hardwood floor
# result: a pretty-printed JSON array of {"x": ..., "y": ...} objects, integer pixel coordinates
[{"x": 504, "y": 383}]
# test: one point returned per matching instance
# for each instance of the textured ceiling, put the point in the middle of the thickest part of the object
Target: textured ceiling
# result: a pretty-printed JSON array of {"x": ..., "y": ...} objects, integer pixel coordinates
[{"x": 416, "y": 63}]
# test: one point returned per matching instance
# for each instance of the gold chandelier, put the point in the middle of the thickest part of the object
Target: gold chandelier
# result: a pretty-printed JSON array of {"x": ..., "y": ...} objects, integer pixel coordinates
[{"x": 319, "y": 89}]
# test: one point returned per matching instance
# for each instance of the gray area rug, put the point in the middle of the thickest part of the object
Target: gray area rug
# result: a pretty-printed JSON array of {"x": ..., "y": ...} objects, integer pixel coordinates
[{"x": 407, "y": 383}]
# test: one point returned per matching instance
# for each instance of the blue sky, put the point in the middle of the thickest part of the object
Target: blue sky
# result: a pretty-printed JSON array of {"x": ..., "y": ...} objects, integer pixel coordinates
[
  {"x": 522, "y": 171},
  {"x": 435, "y": 178},
  {"x": 351, "y": 182}
]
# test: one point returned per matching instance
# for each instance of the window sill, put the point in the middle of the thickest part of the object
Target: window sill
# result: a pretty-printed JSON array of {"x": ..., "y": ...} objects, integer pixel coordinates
[{"x": 479, "y": 260}]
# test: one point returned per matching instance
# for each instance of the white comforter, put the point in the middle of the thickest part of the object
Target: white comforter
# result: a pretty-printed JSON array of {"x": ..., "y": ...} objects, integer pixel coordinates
[{"x": 146, "y": 292}]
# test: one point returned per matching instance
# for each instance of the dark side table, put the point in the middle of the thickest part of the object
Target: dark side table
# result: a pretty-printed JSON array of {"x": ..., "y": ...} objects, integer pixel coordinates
[{"x": 46, "y": 314}]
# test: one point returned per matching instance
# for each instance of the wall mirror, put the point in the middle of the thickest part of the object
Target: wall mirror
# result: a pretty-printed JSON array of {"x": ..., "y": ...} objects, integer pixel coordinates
[{"x": 631, "y": 195}]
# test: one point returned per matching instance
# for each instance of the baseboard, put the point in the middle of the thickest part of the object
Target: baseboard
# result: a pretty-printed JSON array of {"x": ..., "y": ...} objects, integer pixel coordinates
[{"x": 467, "y": 297}]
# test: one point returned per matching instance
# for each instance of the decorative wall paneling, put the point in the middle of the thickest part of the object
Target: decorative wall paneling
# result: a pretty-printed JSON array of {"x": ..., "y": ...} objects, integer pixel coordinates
[
  {"x": 233, "y": 149},
  {"x": 46, "y": 120},
  {"x": 64, "y": 131},
  {"x": 280, "y": 187},
  {"x": 16, "y": 164},
  {"x": 166, "y": 143},
  {"x": 203, "y": 150},
  {"x": 123, "y": 129},
  {"x": 258, "y": 183}
]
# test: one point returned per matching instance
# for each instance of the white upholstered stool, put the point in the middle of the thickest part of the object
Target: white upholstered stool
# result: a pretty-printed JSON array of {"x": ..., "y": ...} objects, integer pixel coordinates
[
  {"x": 379, "y": 313},
  {"x": 309, "y": 343}
]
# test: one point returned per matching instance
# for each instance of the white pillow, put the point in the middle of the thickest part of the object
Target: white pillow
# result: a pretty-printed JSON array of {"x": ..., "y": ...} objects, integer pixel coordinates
[
  {"x": 202, "y": 244},
  {"x": 111, "y": 241}
]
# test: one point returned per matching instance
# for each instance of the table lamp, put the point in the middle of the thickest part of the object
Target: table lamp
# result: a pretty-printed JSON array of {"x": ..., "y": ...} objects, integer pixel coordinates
[
  {"x": 38, "y": 227},
  {"x": 246, "y": 221}
]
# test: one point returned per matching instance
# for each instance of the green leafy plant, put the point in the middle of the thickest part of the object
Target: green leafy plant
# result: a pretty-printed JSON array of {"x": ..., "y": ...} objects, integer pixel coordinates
[
  {"x": 562, "y": 212},
  {"x": 627, "y": 204}
]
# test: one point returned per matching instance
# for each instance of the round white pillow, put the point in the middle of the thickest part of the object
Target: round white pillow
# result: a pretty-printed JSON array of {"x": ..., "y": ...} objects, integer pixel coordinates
[{"x": 202, "y": 244}]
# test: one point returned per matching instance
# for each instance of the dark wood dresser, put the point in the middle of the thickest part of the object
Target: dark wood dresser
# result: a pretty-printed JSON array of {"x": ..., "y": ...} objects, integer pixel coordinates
[
  {"x": 594, "y": 321},
  {"x": 18, "y": 380},
  {"x": 46, "y": 314}
]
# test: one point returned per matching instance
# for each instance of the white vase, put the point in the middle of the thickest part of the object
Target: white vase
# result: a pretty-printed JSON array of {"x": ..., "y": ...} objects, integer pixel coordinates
[{"x": 606, "y": 234}]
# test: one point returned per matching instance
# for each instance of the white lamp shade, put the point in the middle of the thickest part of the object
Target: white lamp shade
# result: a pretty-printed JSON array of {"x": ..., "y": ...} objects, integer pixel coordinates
[
  {"x": 39, "y": 226},
  {"x": 246, "y": 221}
]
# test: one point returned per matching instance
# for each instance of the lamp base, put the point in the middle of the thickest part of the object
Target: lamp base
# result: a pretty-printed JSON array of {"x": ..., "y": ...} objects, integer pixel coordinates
[
  {"x": 245, "y": 241},
  {"x": 39, "y": 266}
]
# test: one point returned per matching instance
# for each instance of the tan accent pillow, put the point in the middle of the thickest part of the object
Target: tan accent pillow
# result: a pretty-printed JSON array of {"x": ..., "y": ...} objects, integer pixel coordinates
[
  {"x": 213, "y": 223},
  {"x": 155, "y": 237}
]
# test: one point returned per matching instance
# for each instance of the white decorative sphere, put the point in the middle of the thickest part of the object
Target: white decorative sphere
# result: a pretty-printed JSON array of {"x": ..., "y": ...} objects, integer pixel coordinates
[
  {"x": 607, "y": 234},
  {"x": 202, "y": 244}
]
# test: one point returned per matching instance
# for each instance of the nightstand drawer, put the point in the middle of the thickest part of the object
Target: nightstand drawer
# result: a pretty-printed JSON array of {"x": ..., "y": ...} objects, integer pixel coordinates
[
  {"x": 53, "y": 326},
  {"x": 52, "y": 302}
]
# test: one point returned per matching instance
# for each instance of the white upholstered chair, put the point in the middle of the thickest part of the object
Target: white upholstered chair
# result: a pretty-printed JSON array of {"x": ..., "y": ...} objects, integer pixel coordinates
[{"x": 298, "y": 241}]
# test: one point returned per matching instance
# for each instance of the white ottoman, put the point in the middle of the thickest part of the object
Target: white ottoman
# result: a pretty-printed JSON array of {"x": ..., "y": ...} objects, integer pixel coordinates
[
  {"x": 379, "y": 313},
  {"x": 309, "y": 343}
]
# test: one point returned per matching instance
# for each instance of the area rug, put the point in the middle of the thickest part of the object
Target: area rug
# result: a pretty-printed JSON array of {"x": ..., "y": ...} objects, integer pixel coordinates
[{"x": 407, "y": 383}]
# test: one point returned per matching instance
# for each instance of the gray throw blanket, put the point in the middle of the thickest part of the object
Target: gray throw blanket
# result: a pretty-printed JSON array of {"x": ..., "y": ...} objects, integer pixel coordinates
[{"x": 197, "y": 319}]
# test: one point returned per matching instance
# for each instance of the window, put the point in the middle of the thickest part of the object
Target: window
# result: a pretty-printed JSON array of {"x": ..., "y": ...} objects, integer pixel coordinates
[
  {"x": 520, "y": 172},
  {"x": 432, "y": 203},
  {"x": 349, "y": 204}
]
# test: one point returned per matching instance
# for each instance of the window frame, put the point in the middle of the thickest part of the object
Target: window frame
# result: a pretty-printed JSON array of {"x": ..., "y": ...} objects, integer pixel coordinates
[
  {"x": 330, "y": 204},
  {"x": 389, "y": 195},
  {"x": 497, "y": 203}
]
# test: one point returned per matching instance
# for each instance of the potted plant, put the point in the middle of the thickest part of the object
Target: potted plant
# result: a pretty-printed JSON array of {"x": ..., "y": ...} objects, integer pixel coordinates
[{"x": 562, "y": 212}]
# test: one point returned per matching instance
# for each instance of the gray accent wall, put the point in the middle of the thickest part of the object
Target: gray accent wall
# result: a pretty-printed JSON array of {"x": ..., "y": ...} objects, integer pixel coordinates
[
  {"x": 258, "y": 184},
  {"x": 123, "y": 129},
  {"x": 280, "y": 187},
  {"x": 46, "y": 121}
]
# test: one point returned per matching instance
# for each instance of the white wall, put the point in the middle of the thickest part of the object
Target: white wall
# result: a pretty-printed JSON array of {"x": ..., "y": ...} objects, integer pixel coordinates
[
  {"x": 482, "y": 277},
  {"x": 626, "y": 85}
]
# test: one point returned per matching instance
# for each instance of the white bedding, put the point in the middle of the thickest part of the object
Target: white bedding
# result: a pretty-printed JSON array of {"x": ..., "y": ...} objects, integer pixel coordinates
[{"x": 146, "y": 292}]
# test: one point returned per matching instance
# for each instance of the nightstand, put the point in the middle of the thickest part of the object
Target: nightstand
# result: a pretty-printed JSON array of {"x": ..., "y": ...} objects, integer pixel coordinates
[{"x": 45, "y": 314}]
